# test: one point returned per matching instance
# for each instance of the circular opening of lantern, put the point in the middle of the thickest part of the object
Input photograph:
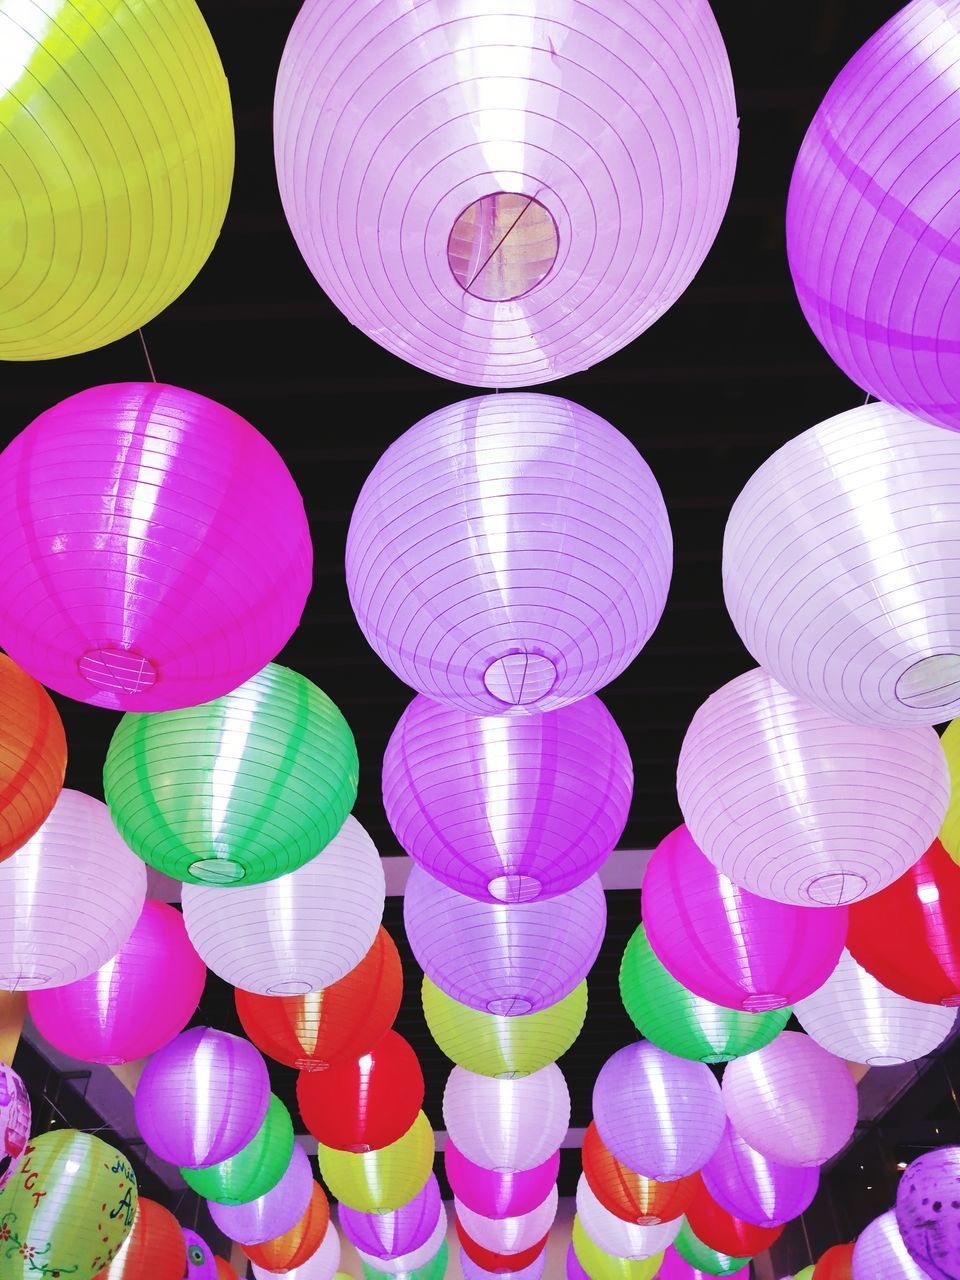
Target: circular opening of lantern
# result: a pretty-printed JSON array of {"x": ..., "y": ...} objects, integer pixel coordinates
[
  {"x": 502, "y": 246},
  {"x": 515, "y": 888},
  {"x": 510, "y": 1006},
  {"x": 837, "y": 888},
  {"x": 520, "y": 679},
  {"x": 766, "y": 1003},
  {"x": 931, "y": 682},
  {"x": 292, "y": 988},
  {"x": 121, "y": 670},
  {"x": 217, "y": 871}
]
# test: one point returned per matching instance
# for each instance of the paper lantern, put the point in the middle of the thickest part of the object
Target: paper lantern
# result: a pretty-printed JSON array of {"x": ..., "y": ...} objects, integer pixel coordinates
[
  {"x": 323, "y": 1265},
  {"x": 509, "y": 1235},
  {"x": 836, "y": 1264},
  {"x": 33, "y": 753},
  {"x": 255, "y": 1169},
  {"x": 950, "y": 831},
  {"x": 416, "y": 1258},
  {"x": 380, "y": 1181},
  {"x": 390, "y": 1235},
  {"x": 15, "y": 1118},
  {"x": 498, "y": 1263},
  {"x": 729, "y": 945},
  {"x": 155, "y": 1247},
  {"x": 922, "y": 911},
  {"x": 224, "y": 1269},
  {"x": 534, "y": 1271},
  {"x": 201, "y": 1261},
  {"x": 294, "y": 1247},
  {"x": 753, "y": 1188},
  {"x": 797, "y": 805},
  {"x": 365, "y": 1104},
  {"x": 180, "y": 543},
  {"x": 300, "y": 932},
  {"x": 506, "y": 1125},
  {"x": 202, "y": 1098},
  {"x": 67, "y": 1209},
  {"x": 880, "y": 1254},
  {"x": 69, "y": 899},
  {"x": 613, "y": 1235},
  {"x": 805, "y": 1274},
  {"x": 854, "y": 1017},
  {"x": 499, "y": 1194},
  {"x": 660, "y": 1116},
  {"x": 686, "y": 1025},
  {"x": 526, "y": 602},
  {"x": 508, "y": 808},
  {"x": 574, "y": 1270},
  {"x": 599, "y": 1265},
  {"x": 722, "y": 1231},
  {"x": 702, "y": 1258},
  {"x": 629, "y": 1195},
  {"x": 791, "y": 1101},
  {"x": 676, "y": 1268},
  {"x": 132, "y": 1005},
  {"x": 436, "y": 1269},
  {"x": 273, "y": 1213},
  {"x": 928, "y": 1212},
  {"x": 504, "y": 958},
  {"x": 859, "y": 622}
]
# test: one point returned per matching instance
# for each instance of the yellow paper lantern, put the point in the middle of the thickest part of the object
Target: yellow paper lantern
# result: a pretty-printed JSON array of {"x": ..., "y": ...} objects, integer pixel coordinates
[
  {"x": 604, "y": 1266},
  {"x": 950, "y": 831},
  {"x": 384, "y": 1180}
]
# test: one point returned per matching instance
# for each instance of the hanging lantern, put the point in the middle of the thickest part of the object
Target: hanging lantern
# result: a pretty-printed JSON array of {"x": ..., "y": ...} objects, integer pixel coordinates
[
  {"x": 15, "y": 1118},
  {"x": 416, "y": 1258},
  {"x": 155, "y": 1247},
  {"x": 757, "y": 1190},
  {"x": 792, "y": 1101},
  {"x": 33, "y": 753},
  {"x": 435, "y": 1269},
  {"x": 880, "y": 1254},
  {"x": 391, "y": 1235},
  {"x": 323, "y": 1265},
  {"x": 686, "y": 1025},
  {"x": 507, "y": 1125},
  {"x": 509, "y": 1235},
  {"x": 224, "y": 1269},
  {"x": 702, "y": 1258},
  {"x": 380, "y": 1181},
  {"x": 600, "y": 1265},
  {"x": 718, "y": 1229},
  {"x": 628, "y": 1195},
  {"x": 181, "y": 546},
  {"x": 202, "y": 1098},
  {"x": 729, "y": 945},
  {"x": 273, "y": 1213},
  {"x": 950, "y": 831},
  {"x": 255, "y": 1169},
  {"x": 926, "y": 1212},
  {"x": 69, "y": 899},
  {"x": 660, "y": 1116},
  {"x": 499, "y": 1193},
  {"x": 201, "y": 1261},
  {"x": 799, "y": 806},
  {"x": 676, "y": 1268},
  {"x": 294, "y": 1247},
  {"x": 505, "y": 958},
  {"x": 534, "y": 1271},
  {"x": 300, "y": 932},
  {"x": 508, "y": 808},
  {"x": 613, "y": 1235},
  {"x": 498, "y": 1263},
  {"x": 836, "y": 1264},
  {"x": 530, "y": 603}
]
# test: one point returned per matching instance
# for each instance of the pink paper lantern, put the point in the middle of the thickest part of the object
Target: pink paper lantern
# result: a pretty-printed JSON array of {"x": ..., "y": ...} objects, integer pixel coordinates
[
  {"x": 660, "y": 1116},
  {"x": 507, "y": 808},
  {"x": 409, "y": 1263},
  {"x": 728, "y": 945},
  {"x": 471, "y": 1271},
  {"x": 880, "y": 1254},
  {"x": 509, "y": 1235},
  {"x": 613, "y": 1235},
  {"x": 506, "y": 1125},
  {"x": 156, "y": 550},
  {"x": 755, "y": 1189},
  {"x": 15, "y": 1117},
  {"x": 272, "y": 1214},
  {"x": 499, "y": 1195},
  {"x": 797, "y": 805},
  {"x": 390, "y": 1235},
  {"x": 540, "y": 574}
]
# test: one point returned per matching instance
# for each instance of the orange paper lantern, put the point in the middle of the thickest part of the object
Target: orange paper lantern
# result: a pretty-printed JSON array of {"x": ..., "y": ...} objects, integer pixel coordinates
[
  {"x": 836, "y": 1264},
  {"x": 629, "y": 1195},
  {"x": 300, "y": 1243},
  {"x": 33, "y": 756},
  {"x": 155, "y": 1247}
]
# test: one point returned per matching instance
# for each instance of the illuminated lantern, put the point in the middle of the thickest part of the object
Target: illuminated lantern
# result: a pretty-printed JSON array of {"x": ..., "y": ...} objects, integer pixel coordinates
[
  {"x": 499, "y": 1194},
  {"x": 660, "y": 1116},
  {"x": 805, "y": 1274},
  {"x": 273, "y": 1213},
  {"x": 597, "y": 1264},
  {"x": 180, "y": 544},
  {"x": 380, "y": 1181},
  {"x": 526, "y": 604},
  {"x": 505, "y": 958},
  {"x": 675, "y": 1268},
  {"x": 391, "y": 1235},
  {"x": 797, "y": 805},
  {"x": 509, "y": 1235},
  {"x": 224, "y": 1269},
  {"x": 720, "y": 1230},
  {"x": 534, "y": 1271},
  {"x": 405, "y": 1263},
  {"x": 201, "y": 1262},
  {"x": 613, "y": 1235},
  {"x": 792, "y": 1101},
  {"x": 702, "y": 1258},
  {"x": 928, "y": 1212},
  {"x": 880, "y": 1254},
  {"x": 202, "y": 1098},
  {"x": 435, "y": 1269},
  {"x": 255, "y": 1169},
  {"x": 15, "y": 1118},
  {"x": 729, "y": 945},
  {"x": 294, "y": 1247},
  {"x": 508, "y": 808},
  {"x": 752, "y": 1188},
  {"x": 135, "y": 1003},
  {"x": 628, "y": 1195},
  {"x": 836, "y": 1264},
  {"x": 507, "y": 1125},
  {"x": 155, "y": 1247},
  {"x": 69, "y": 899},
  {"x": 33, "y": 753},
  {"x": 300, "y": 932},
  {"x": 322, "y": 1265},
  {"x": 498, "y": 1263},
  {"x": 950, "y": 831},
  {"x": 684, "y": 1024}
]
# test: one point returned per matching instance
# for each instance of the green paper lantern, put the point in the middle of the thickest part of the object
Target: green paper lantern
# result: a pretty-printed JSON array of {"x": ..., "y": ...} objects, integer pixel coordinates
[
  {"x": 700, "y": 1256},
  {"x": 383, "y": 1180},
  {"x": 489, "y": 1044},
  {"x": 254, "y": 1170},
  {"x": 435, "y": 1269},
  {"x": 805, "y": 1274},
  {"x": 239, "y": 790},
  {"x": 674, "y": 1019},
  {"x": 600, "y": 1265}
]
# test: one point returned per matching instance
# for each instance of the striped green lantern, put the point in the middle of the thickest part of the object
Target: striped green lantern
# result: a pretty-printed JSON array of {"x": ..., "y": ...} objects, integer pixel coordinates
[
  {"x": 702, "y": 1258},
  {"x": 255, "y": 1169}
]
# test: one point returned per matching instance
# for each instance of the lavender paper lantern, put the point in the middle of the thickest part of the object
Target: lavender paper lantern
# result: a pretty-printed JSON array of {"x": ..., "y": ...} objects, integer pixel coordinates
[
  {"x": 542, "y": 570},
  {"x": 755, "y": 1189},
  {"x": 390, "y": 1235},
  {"x": 613, "y": 1235},
  {"x": 275, "y": 1212},
  {"x": 928, "y": 1212},
  {"x": 406, "y": 1263},
  {"x": 498, "y": 1195},
  {"x": 880, "y": 1254},
  {"x": 661, "y": 1116},
  {"x": 534, "y": 1271},
  {"x": 15, "y": 1117},
  {"x": 507, "y": 1125},
  {"x": 509, "y": 1235}
]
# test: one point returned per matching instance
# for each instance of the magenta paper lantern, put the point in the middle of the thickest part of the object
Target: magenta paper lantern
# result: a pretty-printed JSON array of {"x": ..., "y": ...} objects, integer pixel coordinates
[
  {"x": 15, "y": 1118},
  {"x": 407, "y": 1263},
  {"x": 791, "y": 1100},
  {"x": 132, "y": 1005},
  {"x": 272, "y": 1214},
  {"x": 540, "y": 575},
  {"x": 156, "y": 549},
  {"x": 509, "y": 1235},
  {"x": 660, "y": 1116},
  {"x": 613, "y": 1235},
  {"x": 841, "y": 570},
  {"x": 202, "y": 1098},
  {"x": 729, "y": 945},
  {"x": 880, "y": 1254},
  {"x": 390, "y": 1235},
  {"x": 674, "y": 1267},
  {"x": 755, "y": 1189},
  {"x": 508, "y": 808},
  {"x": 928, "y": 1212},
  {"x": 797, "y": 805},
  {"x": 201, "y": 1260},
  {"x": 505, "y": 1194},
  {"x": 471, "y": 1271},
  {"x": 323, "y": 1265},
  {"x": 575, "y": 1269},
  {"x": 503, "y": 958},
  {"x": 505, "y": 1125}
]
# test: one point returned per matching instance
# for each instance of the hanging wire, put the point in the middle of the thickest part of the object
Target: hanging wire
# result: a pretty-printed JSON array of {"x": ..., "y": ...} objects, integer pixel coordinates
[{"x": 146, "y": 353}]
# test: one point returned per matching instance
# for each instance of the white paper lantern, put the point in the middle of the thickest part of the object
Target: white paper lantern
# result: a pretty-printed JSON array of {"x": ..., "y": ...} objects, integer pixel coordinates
[
  {"x": 509, "y": 1235},
  {"x": 613, "y": 1235},
  {"x": 323, "y": 1265},
  {"x": 407, "y": 1262},
  {"x": 507, "y": 1125},
  {"x": 880, "y": 1253}
]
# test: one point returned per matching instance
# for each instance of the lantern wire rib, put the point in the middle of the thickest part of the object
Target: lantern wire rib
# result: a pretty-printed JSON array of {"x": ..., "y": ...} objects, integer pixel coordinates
[{"x": 146, "y": 353}]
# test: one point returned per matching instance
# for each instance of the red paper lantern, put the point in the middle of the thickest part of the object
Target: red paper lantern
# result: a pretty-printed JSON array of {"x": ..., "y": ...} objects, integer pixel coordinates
[
  {"x": 224, "y": 1270},
  {"x": 721, "y": 1231},
  {"x": 499, "y": 1263},
  {"x": 836, "y": 1264},
  {"x": 908, "y": 935},
  {"x": 629, "y": 1195},
  {"x": 300, "y": 1243},
  {"x": 33, "y": 756},
  {"x": 342, "y": 1022},
  {"x": 155, "y": 1247}
]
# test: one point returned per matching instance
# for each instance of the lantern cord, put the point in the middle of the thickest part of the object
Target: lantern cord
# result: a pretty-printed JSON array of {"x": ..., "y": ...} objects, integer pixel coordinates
[
  {"x": 868, "y": 399},
  {"x": 146, "y": 353}
]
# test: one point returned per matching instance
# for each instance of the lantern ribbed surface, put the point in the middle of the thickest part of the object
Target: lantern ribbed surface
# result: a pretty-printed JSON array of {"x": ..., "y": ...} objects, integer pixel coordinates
[
  {"x": 797, "y": 805},
  {"x": 880, "y": 1254},
  {"x": 534, "y": 1271},
  {"x": 725, "y": 1232},
  {"x": 155, "y": 1247},
  {"x": 702, "y": 1258},
  {"x": 509, "y": 1235},
  {"x": 499, "y": 1194},
  {"x": 597, "y": 1264},
  {"x": 255, "y": 1169},
  {"x": 297, "y": 933},
  {"x": 300, "y": 1243},
  {"x": 33, "y": 755},
  {"x": 15, "y": 1118},
  {"x": 380, "y": 1181},
  {"x": 507, "y": 1125},
  {"x": 415, "y": 1258},
  {"x": 950, "y": 831},
  {"x": 613, "y": 1235},
  {"x": 498, "y": 1263},
  {"x": 755, "y": 1189},
  {"x": 322, "y": 1264},
  {"x": 840, "y": 568},
  {"x": 675, "y": 1268},
  {"x": 273, "y": 1213},
  {"x": 509, "y": 554},
  {"x": 927, "y": 1211},
  {"x": 629, "y": 1195},
  {"x": 390, "y": 1235}
]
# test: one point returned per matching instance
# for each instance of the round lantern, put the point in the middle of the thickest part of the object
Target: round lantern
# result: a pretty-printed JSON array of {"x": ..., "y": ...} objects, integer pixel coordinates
[
  {"x": 660, "y": 1116},
  {"x": 499, "y": 1263},
  {"x": 752, "y": 1188},
  {"x": 520, "y": 603},
  {"x": 508, "y": 808},
  {"x": 499, "y": 1194},
  {"x": 299, "y": 1243},
  {"x": 729, "y": 945},
  {"x": 534, "y": 1271},
  {"x": 686, "y": 1025},
  {"x": 179, "y": 542},
  {"x": 628, "y": 1195},
  {"x": 15, "y": 1118},
  {"x": 805, "y": 1274},
  {"x": 797, "y": 805},
  {"x": 835, "y": 1264},
  {"x": 416, "y": 1258},
  {"x": 840, "y": 565},
  {"x": 506, "y": 1125},
  {"x": 132, "y": 1005},
  {"x": 69, "y": 899},
  {"x": 880, "y": 1254},
  {"x": 273, "y": 1213},
  {"x": 323, "y": 1264},
  {"x": 201, "y": 1261},
  {"x": 380, "y": 1181},
  {"x": 255, "y": 1169},
  {"x": 676, "y": 1268},
  {"x": 300, "y": 932},
  {"x": 509, "y": 1235},
  {"x": 391, "y": 1235},
  {"x": 928, "y": 1212},
  {"x": 950, "y": 831},
  {"x": 722, "y": 1231},
  {"x": 853, "y": 1017},
  {"x": 224, "y": 1269},
  {"x": 435, "y": 1269},
  {"x": 202, "y": 1098},
  {"x": 597, "y": 1264},
  {"x": 504, "y": 958},
  {"x": 67, "y": 1209},
  {"x": 155, "y": 1247},
  {"x": 365, "y": 1104},
  {"x": 33, "y": 753},
  {"x": 613, "y": 1235},
  {"x": 792, "y": 1101},
  {"x": 702, "y": 1258}
]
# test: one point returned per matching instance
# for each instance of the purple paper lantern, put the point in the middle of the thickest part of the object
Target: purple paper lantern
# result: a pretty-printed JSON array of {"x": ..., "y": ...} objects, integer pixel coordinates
[
  {"x": 499, "y": 1195},
  {"x": 575, "y": 1270},
  {"x": 660, "y": 1116},
  {"x": 880, "y": 1253},
  {"x": 509, "y": 1235},
  {"x": 928, "y": 1212},
  {"x": 509, "y": 554},
  {"x": 390, "y": 1235},
  {"x": 508, "y": 808},
  {"x": 272, "y": 1214},
  {"x": 534, "y": 1271},
  {"x": 506, "y": 1125},
  {"x": 409, "y": 1264},
  {"x": 674, "y": 1267},
  {"x": 755, "y": 1189}
]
